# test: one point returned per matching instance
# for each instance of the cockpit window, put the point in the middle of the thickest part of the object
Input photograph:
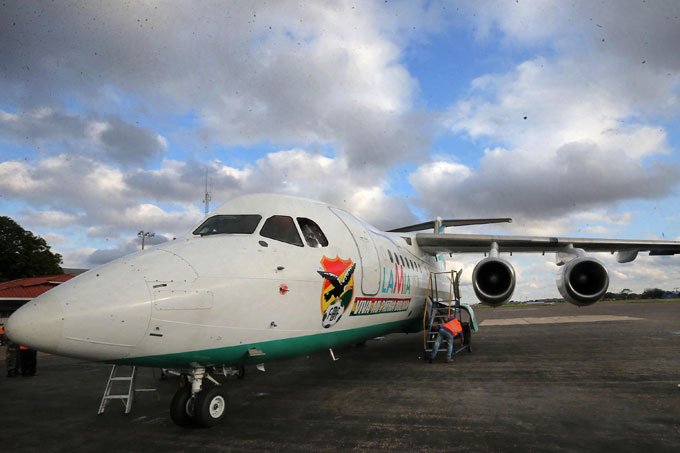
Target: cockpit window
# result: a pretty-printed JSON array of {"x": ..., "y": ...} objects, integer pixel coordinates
[
  {"x": 313, "y": 235},
  {"x": 229, "y": 224},
  {"x": 281, "y": 228}
]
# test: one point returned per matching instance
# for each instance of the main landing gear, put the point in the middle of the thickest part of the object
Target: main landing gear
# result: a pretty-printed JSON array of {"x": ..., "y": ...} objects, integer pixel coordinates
[{"x": 201, "y": 401}]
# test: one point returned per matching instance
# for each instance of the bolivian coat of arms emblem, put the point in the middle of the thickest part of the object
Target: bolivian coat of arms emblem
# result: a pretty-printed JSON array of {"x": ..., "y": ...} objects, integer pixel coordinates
[{"x": 337, "y": 289}]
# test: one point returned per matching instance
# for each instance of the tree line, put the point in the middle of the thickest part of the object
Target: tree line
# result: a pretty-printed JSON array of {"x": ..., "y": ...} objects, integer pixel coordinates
[
  {"x": 649, "y": 293},
  {"x": 23, "y": 254}
]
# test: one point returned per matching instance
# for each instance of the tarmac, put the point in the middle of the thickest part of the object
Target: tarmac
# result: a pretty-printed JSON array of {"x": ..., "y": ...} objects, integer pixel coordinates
[{"x": 540, "y": 377}]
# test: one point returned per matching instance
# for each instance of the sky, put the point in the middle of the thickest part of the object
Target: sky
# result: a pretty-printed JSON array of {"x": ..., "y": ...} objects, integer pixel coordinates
[{"x": 561, "y": 115}]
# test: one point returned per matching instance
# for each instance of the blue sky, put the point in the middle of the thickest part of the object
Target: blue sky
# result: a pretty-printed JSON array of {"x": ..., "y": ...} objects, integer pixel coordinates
[{"x": 562, "y": 115}]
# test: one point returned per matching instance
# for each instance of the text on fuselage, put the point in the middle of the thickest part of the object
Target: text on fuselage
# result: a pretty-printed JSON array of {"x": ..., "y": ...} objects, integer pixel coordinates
[{"x": 396, "y": 282}]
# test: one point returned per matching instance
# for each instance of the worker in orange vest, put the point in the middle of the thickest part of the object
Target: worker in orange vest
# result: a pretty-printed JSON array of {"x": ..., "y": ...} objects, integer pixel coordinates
[{"x": 448, "y": 331}]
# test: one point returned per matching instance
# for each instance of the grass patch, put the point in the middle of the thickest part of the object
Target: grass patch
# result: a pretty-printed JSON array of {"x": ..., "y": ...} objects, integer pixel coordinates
[{"x": 555, "y": 303}]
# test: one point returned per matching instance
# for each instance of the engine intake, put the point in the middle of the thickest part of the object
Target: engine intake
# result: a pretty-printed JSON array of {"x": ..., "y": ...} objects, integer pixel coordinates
[
  {"x": 493, "y": 280},
  {"x": 583, "y": 281}
]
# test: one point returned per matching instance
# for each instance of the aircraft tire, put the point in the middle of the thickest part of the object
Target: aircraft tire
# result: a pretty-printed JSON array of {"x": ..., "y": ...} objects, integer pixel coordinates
[
  {"x": 181, "y": 410},
  {"x": 211, "y": 406},
  {"x": 241, "y": 372}
]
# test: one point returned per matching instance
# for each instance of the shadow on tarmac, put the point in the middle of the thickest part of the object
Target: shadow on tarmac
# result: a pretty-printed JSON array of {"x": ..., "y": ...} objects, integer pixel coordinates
[{"x": 596, "y": 386}]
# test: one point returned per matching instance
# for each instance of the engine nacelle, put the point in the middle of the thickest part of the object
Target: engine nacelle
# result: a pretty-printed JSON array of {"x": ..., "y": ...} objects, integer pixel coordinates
[
  {"x": 583, "y": 281},
  {"x": 493, "y": 281}
]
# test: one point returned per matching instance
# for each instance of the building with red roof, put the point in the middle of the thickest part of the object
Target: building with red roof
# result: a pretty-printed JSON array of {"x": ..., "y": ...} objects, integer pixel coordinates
[{"x": 15, "y": 293}]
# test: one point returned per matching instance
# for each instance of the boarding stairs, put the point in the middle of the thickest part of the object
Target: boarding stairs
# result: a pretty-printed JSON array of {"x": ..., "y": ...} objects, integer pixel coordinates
[
  {"x": 125, "y": 387},
  {"x": 440, "y": 306}
]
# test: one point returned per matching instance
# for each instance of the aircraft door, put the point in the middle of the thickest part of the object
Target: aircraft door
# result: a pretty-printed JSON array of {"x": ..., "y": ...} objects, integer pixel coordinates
[{"x": 368, "y": 253}]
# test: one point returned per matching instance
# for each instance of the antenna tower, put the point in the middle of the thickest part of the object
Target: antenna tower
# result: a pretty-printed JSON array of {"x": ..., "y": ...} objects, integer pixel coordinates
[{"x": 207, "y": 197}]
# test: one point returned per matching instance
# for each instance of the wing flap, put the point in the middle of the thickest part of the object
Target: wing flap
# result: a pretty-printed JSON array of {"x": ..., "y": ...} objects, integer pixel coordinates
[
  {"x": 470, "y": 243},
  {"x": 449, "y": 223}
]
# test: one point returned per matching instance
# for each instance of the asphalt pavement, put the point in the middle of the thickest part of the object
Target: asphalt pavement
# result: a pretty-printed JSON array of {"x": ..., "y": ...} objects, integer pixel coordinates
[{"x": 554, "y": 377}]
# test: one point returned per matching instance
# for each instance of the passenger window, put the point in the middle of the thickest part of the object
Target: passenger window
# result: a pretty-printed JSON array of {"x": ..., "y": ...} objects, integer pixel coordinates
[
  {"x": 281, "y": 228},
  {"x": 229, "y": 224},
  {"x": 312, "y": 233}
]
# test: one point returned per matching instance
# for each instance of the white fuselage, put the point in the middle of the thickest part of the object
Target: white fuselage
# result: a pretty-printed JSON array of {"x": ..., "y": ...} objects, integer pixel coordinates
[{"x": 236, "y": 298}]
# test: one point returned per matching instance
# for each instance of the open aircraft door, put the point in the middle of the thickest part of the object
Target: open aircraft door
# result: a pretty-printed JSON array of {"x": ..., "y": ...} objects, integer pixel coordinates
[{"x": 370, "y": 261}]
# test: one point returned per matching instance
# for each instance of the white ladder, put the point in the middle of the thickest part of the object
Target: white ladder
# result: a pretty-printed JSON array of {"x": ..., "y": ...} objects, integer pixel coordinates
[{"x": 126, "y": 398}]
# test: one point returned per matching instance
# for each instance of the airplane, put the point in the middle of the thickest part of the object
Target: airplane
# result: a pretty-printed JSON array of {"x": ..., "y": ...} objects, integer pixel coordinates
[{"x": 267, "y": 277}]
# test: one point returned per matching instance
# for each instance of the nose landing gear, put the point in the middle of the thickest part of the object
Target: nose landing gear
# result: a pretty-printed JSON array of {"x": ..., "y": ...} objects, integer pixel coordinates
[
  {"x": 202, "y": 404},
  {"x": 210, "y": 406}
]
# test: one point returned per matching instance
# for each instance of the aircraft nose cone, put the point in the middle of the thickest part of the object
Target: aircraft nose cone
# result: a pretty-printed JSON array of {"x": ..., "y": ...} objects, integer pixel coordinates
[{"x": 38, "y": 325}]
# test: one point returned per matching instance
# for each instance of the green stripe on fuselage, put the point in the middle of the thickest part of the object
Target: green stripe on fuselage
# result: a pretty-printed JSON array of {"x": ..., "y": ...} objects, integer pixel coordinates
[{"x": 274, "y": 350}]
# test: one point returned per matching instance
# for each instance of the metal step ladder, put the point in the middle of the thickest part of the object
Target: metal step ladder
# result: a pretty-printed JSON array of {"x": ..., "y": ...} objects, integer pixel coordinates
[
  {"x": 129, "y": 390},
  {"x": 440, "y": 306}
]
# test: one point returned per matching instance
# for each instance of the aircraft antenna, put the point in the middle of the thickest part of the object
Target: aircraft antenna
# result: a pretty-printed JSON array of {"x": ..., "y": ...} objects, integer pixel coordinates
[{"x": 207, "y": 197}]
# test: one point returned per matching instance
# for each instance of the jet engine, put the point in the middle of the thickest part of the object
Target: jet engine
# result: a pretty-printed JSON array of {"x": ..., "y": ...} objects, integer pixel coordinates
[
  {"x": 583, "y": 281},
  {"x": 493, "y": 280}
]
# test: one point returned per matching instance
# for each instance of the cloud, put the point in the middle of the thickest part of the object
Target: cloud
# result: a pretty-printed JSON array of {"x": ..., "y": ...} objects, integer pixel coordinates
[
  {"x": 41, "y": 124},
  {"x": 51, "y": 219},
  {"x": 184, "y": 181},
  {"x": 575, "y": 129},
  {"x": 329, "y": 73},
  {"x": 579, "y": 177},
  {"x": 102, "y": 256},
  {"x": 77, "y": 258},
  {"x": 83, "y": 83},
  {"x": 128, "y": 143},
  {"x": 78, "y": 191},
  {"x": 634, "y": 31},
  {"x": 333, "y": 180},
  {"x": 64, "y": 182},
  {"x": 111, "y": 202},
  {"x": 151, "y": 217},
  {"x": 292, "y": 172},
  {"x": 542, "y": 104},
  {"x": 616, "y": 55},
  {"x": 107, "y": 137}
]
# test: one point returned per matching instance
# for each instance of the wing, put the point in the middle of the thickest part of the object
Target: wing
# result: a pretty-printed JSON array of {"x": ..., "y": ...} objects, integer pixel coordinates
[{"x": 467, "y": 243}]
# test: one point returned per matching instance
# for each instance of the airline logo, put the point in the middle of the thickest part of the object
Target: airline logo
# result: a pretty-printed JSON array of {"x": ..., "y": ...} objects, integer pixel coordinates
[
  {"x": 337, "y": 288},
  {"x": 396, "y": 283}
]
